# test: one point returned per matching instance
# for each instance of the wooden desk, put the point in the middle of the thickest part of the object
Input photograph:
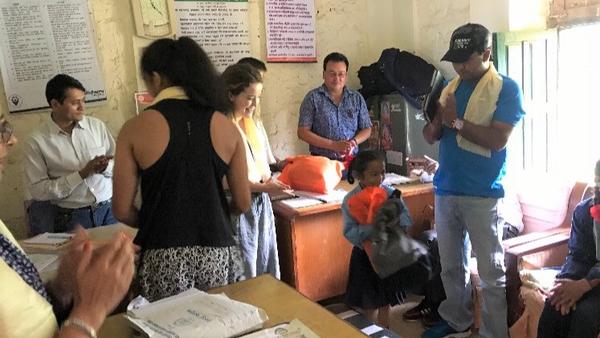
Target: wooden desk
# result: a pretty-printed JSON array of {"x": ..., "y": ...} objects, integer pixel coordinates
[
  {"x": 281, "y": 302},
  {"x": 99, "y": 236},
  {"x": 313, "y": 253}
]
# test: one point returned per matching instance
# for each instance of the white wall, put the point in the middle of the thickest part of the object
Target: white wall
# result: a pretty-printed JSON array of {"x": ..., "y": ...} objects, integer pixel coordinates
[
  {"x": 495, "y": 18},
  {"x": 358, "y": 28},
  {"x": 114, "y": 31},
  {"x": 527, "y": 15},
  {"x": 435, "y": 20}
]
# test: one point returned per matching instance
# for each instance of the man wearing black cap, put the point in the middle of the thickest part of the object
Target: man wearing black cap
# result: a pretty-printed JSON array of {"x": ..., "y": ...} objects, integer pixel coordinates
[
  {"x": 572, "y": 306},
  {"x": 478, "y": 111}
]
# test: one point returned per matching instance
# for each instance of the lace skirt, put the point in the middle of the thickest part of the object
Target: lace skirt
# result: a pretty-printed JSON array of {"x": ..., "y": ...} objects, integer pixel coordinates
[{"x": 167, "y": 272}]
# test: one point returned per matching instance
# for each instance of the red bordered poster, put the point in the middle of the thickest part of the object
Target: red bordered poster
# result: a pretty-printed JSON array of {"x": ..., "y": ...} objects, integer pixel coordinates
[
  {"x": 290, "y": 30},
  {"x": 143, "y": 100}
]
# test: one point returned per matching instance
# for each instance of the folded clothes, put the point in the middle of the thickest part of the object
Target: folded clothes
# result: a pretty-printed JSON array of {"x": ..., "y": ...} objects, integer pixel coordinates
[
  {"x": 426, "y": 177},
  {"x": 392, "y": 179}
]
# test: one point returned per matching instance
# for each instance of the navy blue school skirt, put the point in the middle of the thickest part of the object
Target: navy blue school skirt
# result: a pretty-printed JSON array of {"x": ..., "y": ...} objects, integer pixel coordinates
[{"x": 367, "y": 290}]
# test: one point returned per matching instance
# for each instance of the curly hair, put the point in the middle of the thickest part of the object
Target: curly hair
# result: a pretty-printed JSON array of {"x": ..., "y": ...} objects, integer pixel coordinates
[{"x": 184, "y": 63}]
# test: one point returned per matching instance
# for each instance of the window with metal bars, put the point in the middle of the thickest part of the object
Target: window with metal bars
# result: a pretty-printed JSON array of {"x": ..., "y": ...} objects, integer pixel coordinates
[{"x": 560, "y": 79}]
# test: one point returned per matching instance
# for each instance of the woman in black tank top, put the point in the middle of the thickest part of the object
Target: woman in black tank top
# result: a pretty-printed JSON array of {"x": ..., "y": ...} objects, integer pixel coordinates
[{"x": 185, "y": 233}]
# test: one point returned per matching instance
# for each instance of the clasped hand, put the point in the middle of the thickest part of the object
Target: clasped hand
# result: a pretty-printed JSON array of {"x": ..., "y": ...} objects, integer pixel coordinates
[
  {"x": 343, "y": 147},
  {"x": 96, "y": 166},
  {"x": 566, "y": 292},
  {"x": 95, "y": 278}
]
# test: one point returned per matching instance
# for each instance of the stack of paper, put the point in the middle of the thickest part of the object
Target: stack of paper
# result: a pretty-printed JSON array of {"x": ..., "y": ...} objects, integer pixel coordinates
[
  {"x": 43, "y": 261},
  {"x": 306, "y": 198},
  {"x": 48, "y": 240},
  {"x": 330, "y": 197},
  {"x": 301, "y": 202},
  {"x": 194, "y": 313},
  {"x": 46, "y": 265}
]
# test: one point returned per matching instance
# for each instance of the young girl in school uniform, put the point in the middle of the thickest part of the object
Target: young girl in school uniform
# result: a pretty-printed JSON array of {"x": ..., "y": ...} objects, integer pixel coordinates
[{"x": 366, "y": 289}]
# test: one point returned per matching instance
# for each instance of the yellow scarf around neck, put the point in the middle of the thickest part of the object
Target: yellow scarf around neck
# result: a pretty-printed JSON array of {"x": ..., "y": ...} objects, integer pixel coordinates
[
  {"x": 480, "y": 108},
  {"x": 174, "y": 92},
  {"x": 256, "y": 145}
]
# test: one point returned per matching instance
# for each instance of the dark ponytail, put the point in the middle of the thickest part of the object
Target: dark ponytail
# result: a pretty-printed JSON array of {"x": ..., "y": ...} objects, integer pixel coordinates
[
  {"x": 183, "y": 63},
  {"x": 360, "y": 163}
]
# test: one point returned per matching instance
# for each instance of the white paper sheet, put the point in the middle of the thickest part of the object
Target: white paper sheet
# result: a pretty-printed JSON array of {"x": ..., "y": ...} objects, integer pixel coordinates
[
  {"x": 330, "y": 197},
  {"x": 194, "y": 313},
  {"x": 50, "y": 239},
  {"x": 42, "y": 261},
  {"x": 301, "y": 202},
  {"x": 369, "y": 330}
]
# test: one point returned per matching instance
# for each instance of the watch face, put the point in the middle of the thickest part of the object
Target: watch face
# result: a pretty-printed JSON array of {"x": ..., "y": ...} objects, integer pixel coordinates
[{"x": 154, "y": 12}]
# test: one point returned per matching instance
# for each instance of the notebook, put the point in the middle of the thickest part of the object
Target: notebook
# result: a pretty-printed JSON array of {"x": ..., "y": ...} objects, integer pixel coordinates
[{"x": 48, "y": 241}]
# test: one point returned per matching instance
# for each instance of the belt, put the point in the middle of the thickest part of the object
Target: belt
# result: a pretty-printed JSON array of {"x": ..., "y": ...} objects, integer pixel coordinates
[{"x": 91, "y": 207}]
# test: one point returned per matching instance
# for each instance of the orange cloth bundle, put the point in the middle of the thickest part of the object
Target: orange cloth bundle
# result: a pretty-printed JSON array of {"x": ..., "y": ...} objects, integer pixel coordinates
[
  {"x": 311, "y": 173},
  {"x": 364, "y": 205}
]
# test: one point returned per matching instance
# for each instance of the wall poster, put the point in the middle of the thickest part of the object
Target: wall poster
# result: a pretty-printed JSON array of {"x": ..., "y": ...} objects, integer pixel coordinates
[
  {"x": 42, "y": 38},
  {"x": 220, "y": 27},
  {"x": 290, "y": 28}
]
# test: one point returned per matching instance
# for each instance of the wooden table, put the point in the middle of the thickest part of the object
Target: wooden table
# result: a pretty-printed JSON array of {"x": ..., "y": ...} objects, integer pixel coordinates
[
  {"x": 99, "y": 236},
  {"x": 314, "y": 254},
  {"x": 281, "y": 302}
]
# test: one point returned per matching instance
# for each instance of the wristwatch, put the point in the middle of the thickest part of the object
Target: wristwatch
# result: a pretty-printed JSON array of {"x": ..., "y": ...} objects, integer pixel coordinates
[{"x": 458, "y": 124}]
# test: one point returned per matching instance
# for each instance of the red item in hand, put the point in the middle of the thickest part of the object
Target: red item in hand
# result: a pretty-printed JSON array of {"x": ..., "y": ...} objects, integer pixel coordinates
[
  {"x": 595, "y": 212},
  {"x": 347, "y": 160}
]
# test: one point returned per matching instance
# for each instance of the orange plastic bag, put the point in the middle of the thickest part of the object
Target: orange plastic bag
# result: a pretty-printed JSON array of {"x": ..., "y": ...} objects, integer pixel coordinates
[
  {"x": 311, "y": 173},
  {"x": 364, "y": 205}
]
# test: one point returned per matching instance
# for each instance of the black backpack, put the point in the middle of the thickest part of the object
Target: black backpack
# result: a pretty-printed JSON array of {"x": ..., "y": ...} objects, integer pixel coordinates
[
  {"x": 408, "y": 74},
  {"x": 373, "y": 82},
  {"x": 399, "y": 71}
]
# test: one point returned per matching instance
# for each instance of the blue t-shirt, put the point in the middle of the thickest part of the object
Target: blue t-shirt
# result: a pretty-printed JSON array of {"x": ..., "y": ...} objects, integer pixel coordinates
[
  {"x": 335, "y": 122},
  {"x": 462, "y": 172}
]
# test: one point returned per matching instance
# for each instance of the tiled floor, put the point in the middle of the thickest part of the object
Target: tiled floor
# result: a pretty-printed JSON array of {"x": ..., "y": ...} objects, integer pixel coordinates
[
  {"x": 406, "y": 329},
  {"x": 397, "y": 324},
  {"x": 402, "y": 328}
]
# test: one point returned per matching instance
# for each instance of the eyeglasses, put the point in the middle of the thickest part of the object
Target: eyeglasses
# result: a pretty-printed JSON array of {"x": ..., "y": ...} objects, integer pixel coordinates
[
  {"x": 6, "y": 131},
  {"x": 334, "y": 74}
]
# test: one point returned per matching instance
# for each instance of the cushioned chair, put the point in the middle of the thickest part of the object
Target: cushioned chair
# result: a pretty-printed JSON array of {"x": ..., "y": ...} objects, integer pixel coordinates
[{"x": 547, "y": 205}]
